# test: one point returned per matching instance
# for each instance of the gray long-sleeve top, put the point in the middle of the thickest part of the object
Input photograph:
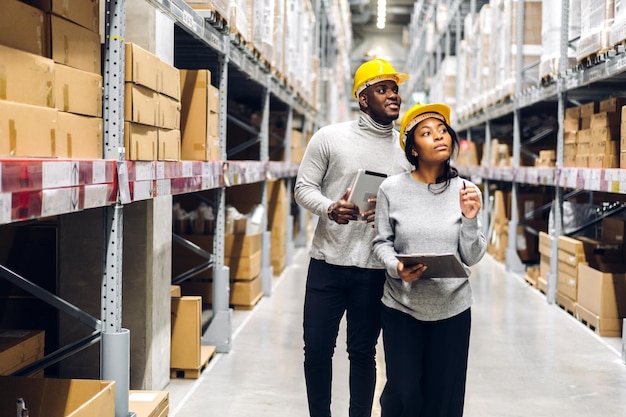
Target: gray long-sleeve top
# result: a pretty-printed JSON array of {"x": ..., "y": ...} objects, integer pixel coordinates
[
  {"x": 330, "y": 162},
  {"x": 411, "y": 219}
]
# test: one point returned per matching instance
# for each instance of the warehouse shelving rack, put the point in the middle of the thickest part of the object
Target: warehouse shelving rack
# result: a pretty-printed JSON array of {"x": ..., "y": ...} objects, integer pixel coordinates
[
  {"x": 34, "y": 189},
  {"x": 570, "y": 85}
]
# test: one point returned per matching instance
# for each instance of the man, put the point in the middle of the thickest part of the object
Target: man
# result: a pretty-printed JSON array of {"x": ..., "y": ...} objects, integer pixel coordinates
[{"x": 343, "y": 275}]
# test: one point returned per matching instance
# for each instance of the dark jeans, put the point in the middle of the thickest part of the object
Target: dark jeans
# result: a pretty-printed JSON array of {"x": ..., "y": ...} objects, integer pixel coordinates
[
  {"x": 426, "y": 365},
  {"x": 330, "y": 291}
]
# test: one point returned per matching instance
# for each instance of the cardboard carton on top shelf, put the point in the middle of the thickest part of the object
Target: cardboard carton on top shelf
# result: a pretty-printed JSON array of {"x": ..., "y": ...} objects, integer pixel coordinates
[
  {"x": 198, "y": 123},
  {"x": 572, "y": 112},
  {"x": 23, "y": 27},
  {"x": 83, "y": 12},
  {"x": 140, "y": 142},
  {"x": 168, "y": 112},
  {"x": 169, "y": 80},
  {"x": 19, "y": 136},
  {"x": 168, "y": 143},
  {"x": 26, "y": 78},
  {"x": 78, "y": 136},
  {"x": 141, "y": 105},
  {"x": 52, "y": 397},
  {"x": 604, "y": 119},
  {"x": 141, "y": 67},
  {"x": 75, "y": 46},
  {"x": 77, "y": 91},
  {"x": 613, "y": 104},
  {"x": 588, "y": 109}
]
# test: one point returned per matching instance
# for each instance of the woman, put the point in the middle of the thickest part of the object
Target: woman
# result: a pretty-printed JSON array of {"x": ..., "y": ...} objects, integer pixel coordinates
[{"x": 426, "y": 322}]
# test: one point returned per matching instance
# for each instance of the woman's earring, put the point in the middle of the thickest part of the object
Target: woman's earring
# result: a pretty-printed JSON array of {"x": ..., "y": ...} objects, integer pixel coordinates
[{"x": 415, "y": 154}]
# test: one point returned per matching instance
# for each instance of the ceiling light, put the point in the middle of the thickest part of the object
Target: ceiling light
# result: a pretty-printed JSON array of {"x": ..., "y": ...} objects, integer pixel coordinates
[{"x": 382, "y": 14}]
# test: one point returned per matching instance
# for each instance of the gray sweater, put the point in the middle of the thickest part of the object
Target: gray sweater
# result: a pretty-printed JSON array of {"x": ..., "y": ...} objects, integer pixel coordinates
[
  {"x": 411, "y": 219},
  {"x": 330, "y": 162}
]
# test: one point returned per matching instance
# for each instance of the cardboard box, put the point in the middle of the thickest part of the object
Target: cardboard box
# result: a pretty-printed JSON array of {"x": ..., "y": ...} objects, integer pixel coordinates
[
  {"x": 198, "y": 123},
  {"x": 83, "y": 12},
  {"x": 141, "y": 105},
  {"x": 60, "y": 397},
  {"x": 77, "y": 91},
  {"x": 186, "y": 332},
  {"x": 572, "y": 112},
  {"x": 169, "y": 112},
  {"x": 603, "y": 119},
  {"x": 571, "y": 125},
  {"x": 613, "y": 104},
  {"x": 613, "y": 230},
  {"x": 587, "y": 109},
  {"x": 169, "y": 80},
  {"x": 602, "y": 293},
  {"x": 545, "y": 243},
  {"x": 175, "y": 291},
  {"x": 245, "y": 267},
  {"x": 23, "y": 27},
  {"x": 245, "y": 293},
  {"x": 75, "y": 46},
  {"x": 168, "y": 145},
  {"x": 26, "y": 78},
  {"x": 140, "y": 142},
  {"x": 19, "y": 348},
  {"x": 142, "y": 67},
  {"x": 604, "y": 256},
  {"x": 238, "y": 245},
  {"x": 19, "y": 136},
  {"x": 149, "y": 403},
  {"x": 78, "y": 137}
]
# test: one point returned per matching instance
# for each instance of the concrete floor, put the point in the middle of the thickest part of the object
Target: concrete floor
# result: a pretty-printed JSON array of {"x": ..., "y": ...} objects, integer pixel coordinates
[{"x": 527, "y": 358}]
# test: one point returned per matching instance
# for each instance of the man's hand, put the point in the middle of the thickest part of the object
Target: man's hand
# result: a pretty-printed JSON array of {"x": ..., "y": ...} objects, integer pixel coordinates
[{"x": 342, "y": 211}]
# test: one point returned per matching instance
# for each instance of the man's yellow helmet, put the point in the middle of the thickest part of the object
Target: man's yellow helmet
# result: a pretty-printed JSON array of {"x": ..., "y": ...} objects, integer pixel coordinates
[{"x": 375, "y": 71}]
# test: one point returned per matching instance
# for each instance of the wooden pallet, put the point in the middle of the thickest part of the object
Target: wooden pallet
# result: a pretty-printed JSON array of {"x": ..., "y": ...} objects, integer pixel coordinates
[
  {"x": 206, "y": 353},
  {"x": 542, "y": 285},
  {"x": 566, "y": 303},
  {"x": 606, "y": 327},
  {"x": 593, "y": 59}
]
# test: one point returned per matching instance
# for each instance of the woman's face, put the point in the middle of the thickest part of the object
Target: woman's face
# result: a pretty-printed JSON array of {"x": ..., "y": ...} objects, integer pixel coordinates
[{"x": 432, "y": 141}]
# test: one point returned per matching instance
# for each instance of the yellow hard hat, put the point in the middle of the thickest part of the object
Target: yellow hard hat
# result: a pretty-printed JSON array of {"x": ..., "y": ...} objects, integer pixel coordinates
[
  {"x": 420, "y": 112},
  {"x": 374, "y": 71}
]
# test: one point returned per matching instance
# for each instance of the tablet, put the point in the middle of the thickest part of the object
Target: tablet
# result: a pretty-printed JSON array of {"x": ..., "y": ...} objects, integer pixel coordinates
[
  {"x": 440, "y": 265},
  {"x": 365, "y": 186}
]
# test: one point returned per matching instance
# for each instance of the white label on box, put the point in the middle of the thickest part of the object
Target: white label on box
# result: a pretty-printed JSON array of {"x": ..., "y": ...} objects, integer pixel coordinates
[
  {"x": 99, "y": 172},
  {"x": 56, "y": 201},
  {"x": 57, "y": 174},
  {"x": 143, "y": 396},
  {"x": 143, "y": 190},
  {"x": 5, "y": 208},
  {"x": 96, "y": 196},
  {"x": 187, "y": 169},
  {"x": 143, "y": 171},
  {"x": 159, "y": 170},
  {"x": 164, "y": 187}
]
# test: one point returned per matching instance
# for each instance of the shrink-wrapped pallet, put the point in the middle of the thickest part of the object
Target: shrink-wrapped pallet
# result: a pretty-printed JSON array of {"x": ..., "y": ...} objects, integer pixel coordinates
[
  {"x": 596, "y": 21},
  {"x": 551, "y": 37}
]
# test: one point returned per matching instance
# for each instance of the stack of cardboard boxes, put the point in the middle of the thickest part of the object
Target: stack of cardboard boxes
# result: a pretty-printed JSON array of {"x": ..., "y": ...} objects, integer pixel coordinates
[
  {"x": 19, "y": 348},
  {"x": 152, "y": 107},
  {"x": 591, "y": 134},
  {"x": 570, "y": 254},
  {"x": 51, "y": 57}
]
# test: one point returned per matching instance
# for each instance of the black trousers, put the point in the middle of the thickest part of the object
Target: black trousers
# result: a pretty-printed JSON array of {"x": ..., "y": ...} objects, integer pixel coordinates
[
  {"x": 426, "y": 365},
  {"x": 330, "y": 291}
]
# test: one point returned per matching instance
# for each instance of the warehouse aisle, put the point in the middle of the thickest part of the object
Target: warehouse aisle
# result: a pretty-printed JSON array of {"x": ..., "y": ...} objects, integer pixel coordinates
[{"x": 527, "y": 358}]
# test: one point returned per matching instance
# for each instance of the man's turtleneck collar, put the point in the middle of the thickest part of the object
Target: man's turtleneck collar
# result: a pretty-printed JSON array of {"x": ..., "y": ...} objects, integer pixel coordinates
[{"x": 370, "y": 125}]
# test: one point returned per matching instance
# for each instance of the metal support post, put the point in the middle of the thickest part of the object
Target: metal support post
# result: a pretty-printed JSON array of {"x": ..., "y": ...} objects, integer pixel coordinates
[
  {"x": 289, "y": 181},
  {"x": 487, "y": 192},
  {"x": 219, "y": 331},
  {"x": 513, "y": 262},
  {"x": 115, "y": 358},
  {"x": 266, "y": 267},
  {"x": 557, "y": 205}
]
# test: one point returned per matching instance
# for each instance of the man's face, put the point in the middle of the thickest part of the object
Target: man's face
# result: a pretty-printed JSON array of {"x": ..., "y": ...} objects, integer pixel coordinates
[{"x": 381, "y": 101}]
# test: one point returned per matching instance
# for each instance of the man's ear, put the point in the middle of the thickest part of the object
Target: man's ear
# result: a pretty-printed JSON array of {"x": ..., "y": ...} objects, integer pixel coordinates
[{"x": 363, "y": 100}]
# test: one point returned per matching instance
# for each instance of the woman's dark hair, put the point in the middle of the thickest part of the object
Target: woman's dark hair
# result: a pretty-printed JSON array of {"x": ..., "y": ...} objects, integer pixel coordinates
[{"x": 449, "y": 171}]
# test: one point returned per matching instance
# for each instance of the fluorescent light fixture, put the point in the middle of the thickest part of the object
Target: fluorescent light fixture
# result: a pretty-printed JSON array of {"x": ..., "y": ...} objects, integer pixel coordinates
[{"x": 382, "y": 14}]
